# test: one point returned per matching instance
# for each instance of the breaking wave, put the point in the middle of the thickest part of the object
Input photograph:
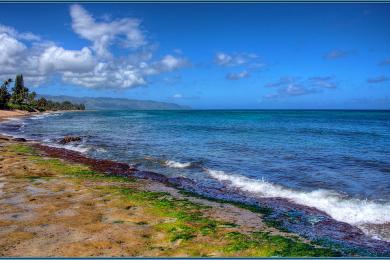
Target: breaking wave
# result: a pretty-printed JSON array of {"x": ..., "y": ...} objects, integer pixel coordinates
[
  {"x": 73, "y": 147},
  {"x": 353, "y": 211},
  {"x": 174, "y": 164}
]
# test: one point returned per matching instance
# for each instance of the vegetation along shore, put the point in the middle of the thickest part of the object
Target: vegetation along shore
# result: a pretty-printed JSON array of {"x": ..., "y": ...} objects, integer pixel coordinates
[{"x": 20, "y": 98}]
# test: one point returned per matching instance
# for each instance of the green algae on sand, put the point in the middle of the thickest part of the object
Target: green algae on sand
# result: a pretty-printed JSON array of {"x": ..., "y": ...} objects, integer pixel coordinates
[{"x": 171, "y": 223}]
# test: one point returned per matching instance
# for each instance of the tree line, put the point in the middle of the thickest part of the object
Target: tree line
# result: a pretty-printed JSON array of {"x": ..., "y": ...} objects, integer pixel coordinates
[{"x": 21, "y": 98}]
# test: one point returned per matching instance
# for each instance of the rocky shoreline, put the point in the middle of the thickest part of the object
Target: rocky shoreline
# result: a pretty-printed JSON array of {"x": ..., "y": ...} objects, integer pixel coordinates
[
  {"x": 78, "y": 206},
  {"x": 308, "y": 222},
  {"x": 276, "y": 213}
]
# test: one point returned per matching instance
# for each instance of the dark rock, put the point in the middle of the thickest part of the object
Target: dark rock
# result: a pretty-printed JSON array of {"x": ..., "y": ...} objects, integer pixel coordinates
[
  {"x": 69, "y": 139},
  {"x": 105, "y": 166},
  {"x": 19, "y": 139}
]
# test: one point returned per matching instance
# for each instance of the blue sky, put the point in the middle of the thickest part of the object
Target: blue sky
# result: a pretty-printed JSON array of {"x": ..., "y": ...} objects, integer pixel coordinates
[{"x": 204, "y": 55}]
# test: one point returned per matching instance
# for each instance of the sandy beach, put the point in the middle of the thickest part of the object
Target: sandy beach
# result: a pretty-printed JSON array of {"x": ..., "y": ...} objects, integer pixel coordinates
[{"x": 4, "y": 114}]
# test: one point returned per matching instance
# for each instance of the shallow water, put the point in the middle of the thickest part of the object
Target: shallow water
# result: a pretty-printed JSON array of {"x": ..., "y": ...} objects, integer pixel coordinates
[{"x": 335, "y": 161}]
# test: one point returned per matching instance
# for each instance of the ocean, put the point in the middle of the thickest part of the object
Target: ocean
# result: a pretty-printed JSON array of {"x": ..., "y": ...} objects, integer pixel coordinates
[{"x": 335, "y": 161}]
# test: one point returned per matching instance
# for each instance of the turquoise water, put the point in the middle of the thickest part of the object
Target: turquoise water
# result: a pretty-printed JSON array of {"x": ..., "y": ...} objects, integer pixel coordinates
[{"x": 336, "y": 161}]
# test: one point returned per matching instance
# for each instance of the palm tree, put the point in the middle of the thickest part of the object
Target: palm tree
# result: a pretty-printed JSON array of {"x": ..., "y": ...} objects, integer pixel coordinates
[{"x": 4, "y": 94}]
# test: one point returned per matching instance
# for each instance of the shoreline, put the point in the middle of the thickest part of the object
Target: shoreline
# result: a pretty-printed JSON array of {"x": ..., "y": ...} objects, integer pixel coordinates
[
  {"x": 8, "y": 114},
  {"x": 107, "y": 215},
  {"x": 274, "y": 211}
]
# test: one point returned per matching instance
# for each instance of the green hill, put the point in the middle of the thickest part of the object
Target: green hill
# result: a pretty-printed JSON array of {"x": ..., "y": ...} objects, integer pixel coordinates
[{"x": 105, "y": 103}]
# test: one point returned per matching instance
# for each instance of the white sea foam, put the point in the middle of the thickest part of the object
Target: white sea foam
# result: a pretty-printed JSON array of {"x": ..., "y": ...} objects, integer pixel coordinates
[
  {"x": 76, "y": 148},
  {"x": 12, "y": 119},
  {"x": 44, "y": 115},
  {"x": 174, "y": 164},
  {"x": 353, "y": 211},
  {"x": 37, "y": 117},
  {"x": 100, "y": 150}
]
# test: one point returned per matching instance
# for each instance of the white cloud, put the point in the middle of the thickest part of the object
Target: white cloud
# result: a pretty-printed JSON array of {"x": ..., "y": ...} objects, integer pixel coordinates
[
  {"x": 336, "y": 54},
  {"x": 237, "y": 76},
  {"x": 58, "y": 59},
  {"x": 125, "y": 73},
  {"x": 177, "y": 96},
  {"x": 107, "y": 75},
  {"x": 39, "y": 61},
  {"x": 296, "y": 90},
  {"x": 170, "y": 63},
  {"x": 295, "y": 86},
  {"x": 223, "y": 59},
  {"x": 323, "y": 82},
  {"x": 282, "y": 81},
  {"x": 90, "y": 66},
  {"x": 16, "y": 57},
  {"x": 10, "y": 48},
  {"x": 234, "y": 59},
  {"x": 103, "y": 34},
  {"x": 248, "y": 62},
  {"x": 28, "y": 36}
]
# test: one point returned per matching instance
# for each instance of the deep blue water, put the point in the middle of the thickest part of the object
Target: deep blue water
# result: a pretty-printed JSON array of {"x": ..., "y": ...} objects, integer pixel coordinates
[{"x": 336, "y": 160}]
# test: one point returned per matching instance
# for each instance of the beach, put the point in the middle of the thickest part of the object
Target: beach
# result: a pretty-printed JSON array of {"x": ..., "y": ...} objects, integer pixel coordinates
[
  {"x": 59, "y": 201},
  {"x": 5, "y": 114},
  {"x": 54, "y": 208}
]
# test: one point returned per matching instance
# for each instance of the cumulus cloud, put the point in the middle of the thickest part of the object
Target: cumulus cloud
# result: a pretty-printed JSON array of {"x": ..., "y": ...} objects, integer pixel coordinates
[
  {"x": 377, "y": 80},
  {"x": 124, "y": 73},
  {"x": 237, "y": 76},
  {"x": 104, "y": 34},
  {"x": 281, "y": 82},
  {"x": 296, "y": 90},
  {"x": 91, "y": 66},
  {"x": 234, "y": 59},
  {"x": 10, "y": 47},
  {"x": 294, "y": 86},
  {"x": 170, "y": 63},
  {"x": 107, "y": 75},
  {"x": 249, "y": 62},
  {"x": 28, "y": 36},
  {"x": 40, "y": 60},
  {"x": 57, "y": 58},
  {"x": 336, "y": 54},
  {"x": 292, "y": 89},
  {"x": 16, "y": 57},
  {"x": 323, "y": 82}
]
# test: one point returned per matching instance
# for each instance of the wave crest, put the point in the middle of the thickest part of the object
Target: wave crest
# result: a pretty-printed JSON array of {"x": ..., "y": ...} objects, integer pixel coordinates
[
  {"x": 174, "y": 164},
  {"x": 77, "y": 148},
  {"x": 353, "y": 211}
]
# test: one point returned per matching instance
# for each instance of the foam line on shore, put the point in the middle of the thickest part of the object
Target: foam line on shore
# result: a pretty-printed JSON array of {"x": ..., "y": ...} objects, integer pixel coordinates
[
  {"x": 353, "y": 211},
  {"x": 77, "y": 148}
]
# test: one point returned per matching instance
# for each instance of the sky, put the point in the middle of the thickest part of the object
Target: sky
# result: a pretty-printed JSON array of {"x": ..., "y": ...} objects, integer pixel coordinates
[{"x": 204, "y": 55}]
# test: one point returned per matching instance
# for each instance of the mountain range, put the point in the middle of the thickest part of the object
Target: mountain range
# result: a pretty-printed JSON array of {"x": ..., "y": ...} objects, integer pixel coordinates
[{"x": 107, "y": 103}]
